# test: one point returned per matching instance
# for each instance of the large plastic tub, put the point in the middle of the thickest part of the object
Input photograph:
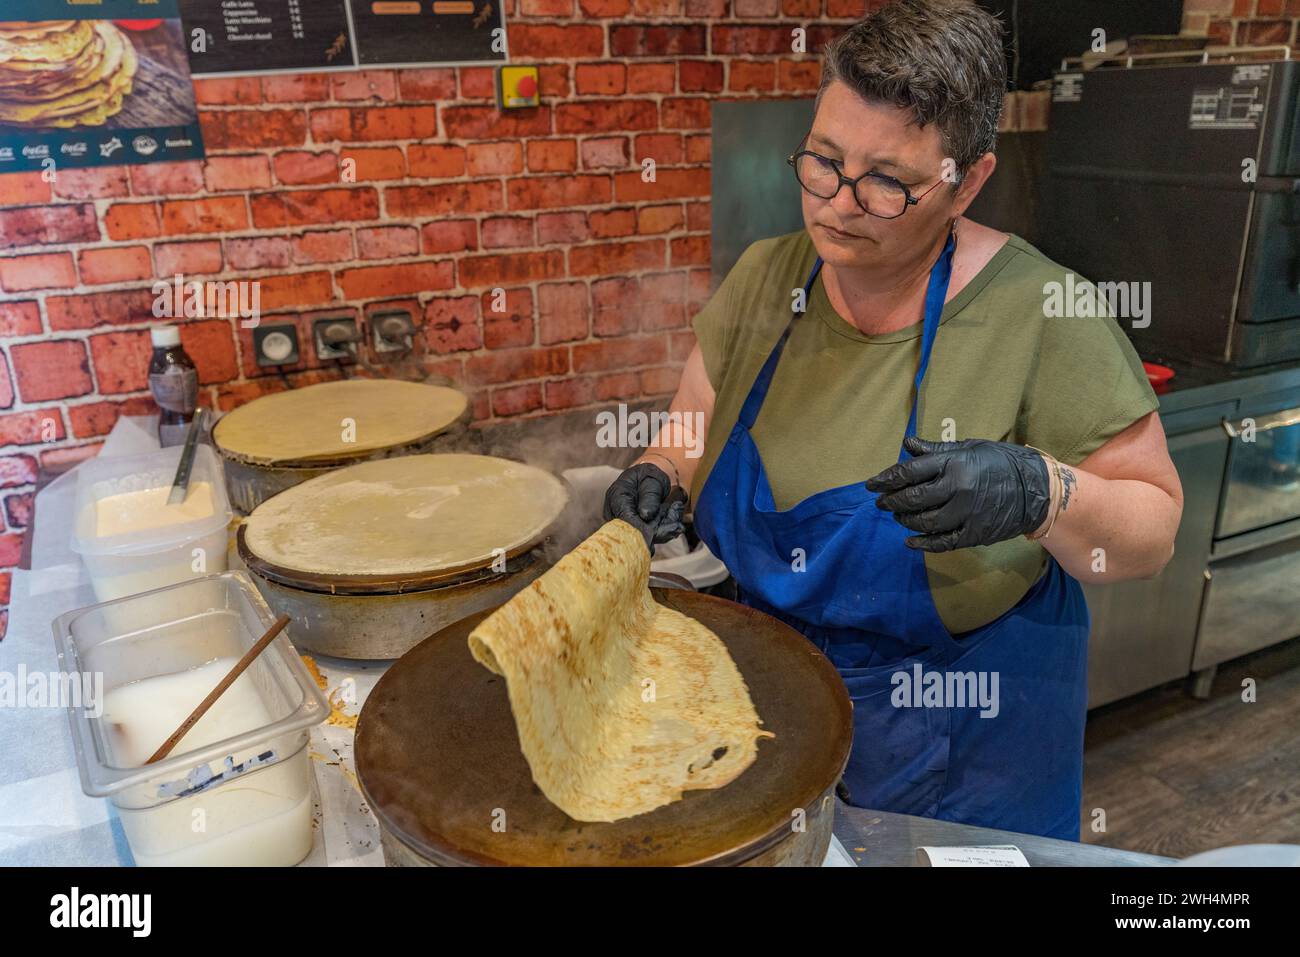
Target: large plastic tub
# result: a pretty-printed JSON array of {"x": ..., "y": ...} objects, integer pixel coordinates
[
  {"x": 130, "y": 540},
  {"x": 236, "y": 790}
]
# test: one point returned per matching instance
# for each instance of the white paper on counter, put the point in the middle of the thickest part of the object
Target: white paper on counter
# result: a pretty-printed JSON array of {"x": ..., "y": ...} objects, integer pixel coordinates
[{"x": 993, "y": 855}]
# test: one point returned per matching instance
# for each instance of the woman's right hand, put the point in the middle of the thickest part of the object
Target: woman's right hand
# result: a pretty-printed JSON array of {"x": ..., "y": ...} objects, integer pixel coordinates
[{"x": 645, "y": 498}]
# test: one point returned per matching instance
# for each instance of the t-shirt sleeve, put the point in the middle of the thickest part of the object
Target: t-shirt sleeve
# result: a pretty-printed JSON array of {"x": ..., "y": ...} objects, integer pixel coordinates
[
  {"x": 1088, "y": 386},
  {"x": 716, "y": 324}
]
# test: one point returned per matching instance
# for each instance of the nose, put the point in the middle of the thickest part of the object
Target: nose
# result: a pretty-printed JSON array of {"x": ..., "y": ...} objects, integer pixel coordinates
[{"x": 845, "y": 204}]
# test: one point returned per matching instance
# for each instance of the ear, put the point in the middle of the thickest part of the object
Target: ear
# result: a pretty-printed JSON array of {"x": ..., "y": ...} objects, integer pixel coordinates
[{"x": 973, "y": 182}]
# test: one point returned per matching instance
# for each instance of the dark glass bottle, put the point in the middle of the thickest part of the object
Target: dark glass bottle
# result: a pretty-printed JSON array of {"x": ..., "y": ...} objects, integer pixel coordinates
[{"x": 174, "y": 381}]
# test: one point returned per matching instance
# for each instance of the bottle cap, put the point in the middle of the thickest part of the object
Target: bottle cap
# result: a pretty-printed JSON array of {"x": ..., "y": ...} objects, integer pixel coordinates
[{"x": 165, "y": 336}]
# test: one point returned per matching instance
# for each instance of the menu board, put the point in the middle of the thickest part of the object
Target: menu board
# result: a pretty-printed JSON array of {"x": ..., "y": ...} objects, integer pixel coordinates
[
  {"x": 275, "y": 36},
  {"x": 94, "y": 83}
]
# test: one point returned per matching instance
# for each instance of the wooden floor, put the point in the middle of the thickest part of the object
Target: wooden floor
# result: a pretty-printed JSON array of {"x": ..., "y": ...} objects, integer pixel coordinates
[{"x": 1176, "y": 776}]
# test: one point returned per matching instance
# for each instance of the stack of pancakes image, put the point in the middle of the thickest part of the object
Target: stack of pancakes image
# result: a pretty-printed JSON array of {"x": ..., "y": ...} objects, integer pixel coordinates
[{"x": 63, "y": 73}]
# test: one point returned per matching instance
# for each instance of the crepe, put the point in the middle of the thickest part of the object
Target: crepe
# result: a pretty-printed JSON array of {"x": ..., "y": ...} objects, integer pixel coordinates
[
  {"x": 621, "y": 704},
  {"x": 64, "y": 73},
  {"x": 307, "y": 424},
  {"x": 404, "y": 516}
]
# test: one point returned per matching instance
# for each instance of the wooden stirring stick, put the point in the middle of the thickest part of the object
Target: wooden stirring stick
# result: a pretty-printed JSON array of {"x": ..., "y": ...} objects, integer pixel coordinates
[{"x": 220, "y": 689}]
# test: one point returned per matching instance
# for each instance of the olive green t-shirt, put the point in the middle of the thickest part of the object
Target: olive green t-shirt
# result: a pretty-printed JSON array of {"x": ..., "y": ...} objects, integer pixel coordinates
[{"x": 839, "y": 400}]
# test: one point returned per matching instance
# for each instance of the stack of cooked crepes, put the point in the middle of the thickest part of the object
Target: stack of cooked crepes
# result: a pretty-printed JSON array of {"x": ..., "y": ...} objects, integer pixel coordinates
[
  {"x": 63, "y": 73},
  {"x": 621, "y": 704}
]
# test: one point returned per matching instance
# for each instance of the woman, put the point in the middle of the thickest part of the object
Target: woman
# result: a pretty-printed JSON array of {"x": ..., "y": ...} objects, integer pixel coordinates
[{"x": 940, "y": 576}]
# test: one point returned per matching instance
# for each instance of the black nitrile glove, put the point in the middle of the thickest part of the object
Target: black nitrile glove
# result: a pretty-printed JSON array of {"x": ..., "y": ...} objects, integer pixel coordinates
[
  {"x": 959, "y": 494},
  {"x": 645, "y": 498}
]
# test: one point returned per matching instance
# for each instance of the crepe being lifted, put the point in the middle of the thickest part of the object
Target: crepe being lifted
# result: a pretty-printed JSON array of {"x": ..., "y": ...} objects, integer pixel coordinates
[{"x": 621, "y": 704}]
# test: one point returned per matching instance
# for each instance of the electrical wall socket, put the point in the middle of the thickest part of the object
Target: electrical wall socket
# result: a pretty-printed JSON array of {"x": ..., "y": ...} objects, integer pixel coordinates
[
  {"x": 336, "y": 338},
  {"x": 276, "y": 344},
  {"x": 392, "y": 331}
]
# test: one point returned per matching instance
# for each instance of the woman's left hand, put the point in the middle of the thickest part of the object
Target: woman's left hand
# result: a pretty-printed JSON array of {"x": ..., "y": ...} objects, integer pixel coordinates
[{"x": 959, "y": 494}]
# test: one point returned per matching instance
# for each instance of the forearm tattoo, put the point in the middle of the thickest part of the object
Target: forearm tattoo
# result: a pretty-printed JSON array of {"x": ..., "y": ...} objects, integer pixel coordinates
[{"x": 1068, "y": 482}]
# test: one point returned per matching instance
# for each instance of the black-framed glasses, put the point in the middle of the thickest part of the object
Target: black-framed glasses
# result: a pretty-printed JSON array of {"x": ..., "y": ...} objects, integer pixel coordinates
[{"x": 878, "y": 194}]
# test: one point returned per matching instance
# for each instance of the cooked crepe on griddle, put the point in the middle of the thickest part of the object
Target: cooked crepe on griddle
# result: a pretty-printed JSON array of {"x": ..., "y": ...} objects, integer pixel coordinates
[
  {"x": 63, "y": 73},
  {"x": 621, "y": 704}
]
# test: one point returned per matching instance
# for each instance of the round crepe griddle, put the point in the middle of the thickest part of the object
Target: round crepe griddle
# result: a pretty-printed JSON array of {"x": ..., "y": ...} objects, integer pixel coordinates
[
  {"x": 438, "y": 755},
  {"x": 390, "y": 414},
  {"x": 343, "y": 506}
]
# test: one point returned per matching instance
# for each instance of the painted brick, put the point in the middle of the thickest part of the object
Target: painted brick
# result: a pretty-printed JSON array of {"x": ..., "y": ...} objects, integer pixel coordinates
[
  {"x": 100, "y": 183},
  {"x": 479, "y": 196},
  {"x": 19, "y": 508},
  {"x": 121, "y": 361},
  {"x": 388, "y": 242},
  {"x": 21, "y": 189},
  {"x": 569, "y": 393},
  {"x": 372, "y": 164},
  {"x": 44, "y": 271},
  {"x": 188, "y": 258},
  {"x": 56, "y": 369},
  {"x": 296, "y": 88},
  {"x": 449, "y": 236},
  {"x": 552, "y": 156},
  {"x": 93, "y": 419},
  {"x": 213, "y": 215},
  {"x": 47, "y": 225},
  {"x": 435, "y": 160},
  {"x": 17, "y": 470},
  {"x": 563, "y": 313},
  {"x": 513, "y": 326},
  {"x": 517, "y": 399},
  {"x": 613, "y": 354},
  {"x": 127, "y": 221},
  {"x": 305, "y": 207},
  {"x": 505, "y": 231},
  {"x": 372, "y": 282},
  {"x": 20, "y": 318},
  {"x": 222, "y": 173},
  {"x": 115, "y": 264},
  {"x": 300, "y": 167},
  {"x": 322, "y": 246},
  {"x": 29, "y": 428},
  {"x": 211, "y": 344},
  {"x": 265, "y": 128},
  {"x": 100, "y": 309},
  {"x": 452, "y": 324},
  {"x": 494, "y": 159},
  {"x": 167, "y": 179}
]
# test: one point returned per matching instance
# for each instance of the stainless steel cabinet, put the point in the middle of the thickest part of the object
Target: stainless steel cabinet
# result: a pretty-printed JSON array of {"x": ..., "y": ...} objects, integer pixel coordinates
[{"x": 1144, "y": 632}]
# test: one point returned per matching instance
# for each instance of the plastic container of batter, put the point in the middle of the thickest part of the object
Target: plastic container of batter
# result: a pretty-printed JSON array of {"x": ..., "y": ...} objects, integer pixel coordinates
[
  {"x": 237, "y": 789},
  {"x": 131, "y": 540}
]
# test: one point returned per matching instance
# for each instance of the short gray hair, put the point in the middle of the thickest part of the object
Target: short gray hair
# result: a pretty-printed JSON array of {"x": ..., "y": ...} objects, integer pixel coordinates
[{"x": 941, "y": 59}]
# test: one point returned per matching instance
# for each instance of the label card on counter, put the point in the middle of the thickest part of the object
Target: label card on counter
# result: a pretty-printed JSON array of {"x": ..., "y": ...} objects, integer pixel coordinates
[{"x": 994, "y": 855}]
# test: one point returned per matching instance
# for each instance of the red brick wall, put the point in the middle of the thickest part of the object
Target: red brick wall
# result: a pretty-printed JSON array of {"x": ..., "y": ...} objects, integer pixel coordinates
[
  {"x": 1243, "y": 22},
  {"x": 452, "y": 198}
]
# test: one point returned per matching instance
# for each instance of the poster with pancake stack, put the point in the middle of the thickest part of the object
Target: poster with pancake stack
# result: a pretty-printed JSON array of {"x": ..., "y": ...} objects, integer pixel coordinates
[{"x": 94, "y": 83}]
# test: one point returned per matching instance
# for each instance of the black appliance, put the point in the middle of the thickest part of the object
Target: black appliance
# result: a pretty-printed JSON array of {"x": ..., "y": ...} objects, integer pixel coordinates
[{"x": 1186, "y": 177}]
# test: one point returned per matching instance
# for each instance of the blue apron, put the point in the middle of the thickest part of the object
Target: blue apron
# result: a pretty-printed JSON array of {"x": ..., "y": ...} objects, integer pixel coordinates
[{"x": 835, "y": 567}]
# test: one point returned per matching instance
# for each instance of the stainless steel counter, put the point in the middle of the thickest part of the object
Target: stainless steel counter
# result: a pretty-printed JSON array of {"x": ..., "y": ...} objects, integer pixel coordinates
[{"x": 882, "y": 839}]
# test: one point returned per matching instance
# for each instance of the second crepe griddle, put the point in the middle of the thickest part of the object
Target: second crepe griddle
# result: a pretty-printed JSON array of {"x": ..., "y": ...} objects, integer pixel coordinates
[{"x": 439, "y": 760}]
